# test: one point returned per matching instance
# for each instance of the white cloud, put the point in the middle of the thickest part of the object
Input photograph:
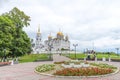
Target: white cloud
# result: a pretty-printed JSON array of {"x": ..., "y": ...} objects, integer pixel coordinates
[{"x": 84, "y": 21}]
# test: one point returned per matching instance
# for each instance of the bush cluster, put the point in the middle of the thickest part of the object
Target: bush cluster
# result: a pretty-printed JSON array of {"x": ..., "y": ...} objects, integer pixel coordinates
[
  {"x": 59, "y": 62},
  {"x": 45, "y": 67},
  {"x": 102, "y": 65}
]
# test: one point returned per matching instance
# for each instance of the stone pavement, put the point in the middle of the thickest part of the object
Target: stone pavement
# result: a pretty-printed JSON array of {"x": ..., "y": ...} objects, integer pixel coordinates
[
  {"x": 25, "y": 71},
  {"x": 58, "y": 58}
]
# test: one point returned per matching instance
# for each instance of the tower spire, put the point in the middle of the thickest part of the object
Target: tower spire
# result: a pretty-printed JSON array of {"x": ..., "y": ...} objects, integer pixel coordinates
[
  {"x": 59, "y": 30},
  {"x": 39, "y": 28}
]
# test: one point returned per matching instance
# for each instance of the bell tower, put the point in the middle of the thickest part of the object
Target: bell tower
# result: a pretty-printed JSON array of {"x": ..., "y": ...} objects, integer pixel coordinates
[{"x": 38, "y": 42}]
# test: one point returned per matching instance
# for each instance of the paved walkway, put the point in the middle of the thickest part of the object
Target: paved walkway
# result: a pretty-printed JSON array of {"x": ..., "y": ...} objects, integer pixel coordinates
[
  {"x": 25, "y": 71},
  {"x": 58, "y": 58}
]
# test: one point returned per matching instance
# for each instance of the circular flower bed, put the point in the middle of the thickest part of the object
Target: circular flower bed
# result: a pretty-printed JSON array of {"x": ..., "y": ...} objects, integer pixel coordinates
[{"x": 94, "y": 69}]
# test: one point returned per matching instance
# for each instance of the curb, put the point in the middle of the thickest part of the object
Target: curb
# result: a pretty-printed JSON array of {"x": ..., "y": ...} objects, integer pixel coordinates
[{"x": 44, "y": 74}]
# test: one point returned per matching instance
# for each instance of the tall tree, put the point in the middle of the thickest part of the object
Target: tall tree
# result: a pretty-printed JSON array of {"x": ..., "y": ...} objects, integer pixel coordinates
[
  {"x": 19, "y": 18},
  {"x": 7, "y": 29},
  {"x": 21, "y": 42}
]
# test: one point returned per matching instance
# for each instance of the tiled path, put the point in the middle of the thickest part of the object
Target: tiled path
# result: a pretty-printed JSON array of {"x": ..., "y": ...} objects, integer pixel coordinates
[
  {"x": 25, "y": 71},
  {"x": 58, "y": 58}
]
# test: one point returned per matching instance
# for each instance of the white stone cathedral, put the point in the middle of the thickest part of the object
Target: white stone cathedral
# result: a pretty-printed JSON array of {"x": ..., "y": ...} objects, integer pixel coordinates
[{"x": 60, "y": 42}]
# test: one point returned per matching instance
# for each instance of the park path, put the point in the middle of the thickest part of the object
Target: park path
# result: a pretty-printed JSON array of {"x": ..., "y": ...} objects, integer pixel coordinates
[
  {"x": 25, "y": 71},
  {"x": 58, "y": 58}
]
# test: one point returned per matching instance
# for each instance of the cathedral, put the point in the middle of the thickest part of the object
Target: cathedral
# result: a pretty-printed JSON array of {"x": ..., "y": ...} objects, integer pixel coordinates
[{"x": 58, "y": 43}]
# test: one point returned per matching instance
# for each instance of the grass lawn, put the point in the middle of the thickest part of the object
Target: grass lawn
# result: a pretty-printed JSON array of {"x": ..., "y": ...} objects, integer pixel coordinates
[
  {"x": 72, "y": 56},
  {"x": 99, "y": 56},
  {"x": 113, "y": 56},
  {"x": 33, "y": 57}
]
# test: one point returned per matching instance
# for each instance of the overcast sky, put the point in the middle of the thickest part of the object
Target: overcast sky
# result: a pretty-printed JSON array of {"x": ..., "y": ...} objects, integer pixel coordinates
[{"x": 89, "y": 23}]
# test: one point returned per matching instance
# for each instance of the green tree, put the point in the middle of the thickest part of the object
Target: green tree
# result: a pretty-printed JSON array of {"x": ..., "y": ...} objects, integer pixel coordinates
[
  {"x": 6, "y": 35},
  {"x": 19, "y": 18},
  {"x": 20, "y": 42}
]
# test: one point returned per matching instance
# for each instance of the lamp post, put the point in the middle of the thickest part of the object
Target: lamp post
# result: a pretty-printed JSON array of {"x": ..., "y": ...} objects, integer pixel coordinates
[
  {"x": 69, "y": 51},
  {"x": 75, "y": 45},
  {"x": 49, "y": 48},
  {"x": 4, "y": 55},
  {"x": 117, "y": 50}
]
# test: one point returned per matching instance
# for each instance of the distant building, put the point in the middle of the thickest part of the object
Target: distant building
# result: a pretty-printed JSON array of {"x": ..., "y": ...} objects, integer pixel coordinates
[
  {"x": 60, "y": 42},
  {"x": 38, "y": 45}
]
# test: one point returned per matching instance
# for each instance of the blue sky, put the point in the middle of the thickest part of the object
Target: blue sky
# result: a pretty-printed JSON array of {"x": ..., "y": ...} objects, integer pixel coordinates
[{"x": 86, "y": 22}]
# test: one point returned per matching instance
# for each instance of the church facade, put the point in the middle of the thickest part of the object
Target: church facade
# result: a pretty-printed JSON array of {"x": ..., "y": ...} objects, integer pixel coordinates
[{"x": 59, "y": 43}]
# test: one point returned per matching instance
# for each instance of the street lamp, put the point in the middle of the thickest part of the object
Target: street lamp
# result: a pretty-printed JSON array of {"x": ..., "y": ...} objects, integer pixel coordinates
[
  {"x": 4, "y": 55},
  {"x": 69, "y": 52},
  {"x": 117, "y": 50},
  {"x": 75, "y": 45},
  {"x": 50, "y": 46}
]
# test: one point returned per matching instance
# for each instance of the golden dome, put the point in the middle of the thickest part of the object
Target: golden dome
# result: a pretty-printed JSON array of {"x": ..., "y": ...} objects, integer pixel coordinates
[
  {"x": 49, "y": 36},
  {"x": 60, "y": 33}
]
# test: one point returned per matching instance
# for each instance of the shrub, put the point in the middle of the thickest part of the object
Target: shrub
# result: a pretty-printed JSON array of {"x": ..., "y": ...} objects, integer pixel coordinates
[
  {"x": 59, "y": 62},
  {"x": 67, "y": 62},
  {"x": 117, "y": 60},
  {"x": 102, "y": 65},
  {"x": 45, "y": 67}
]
